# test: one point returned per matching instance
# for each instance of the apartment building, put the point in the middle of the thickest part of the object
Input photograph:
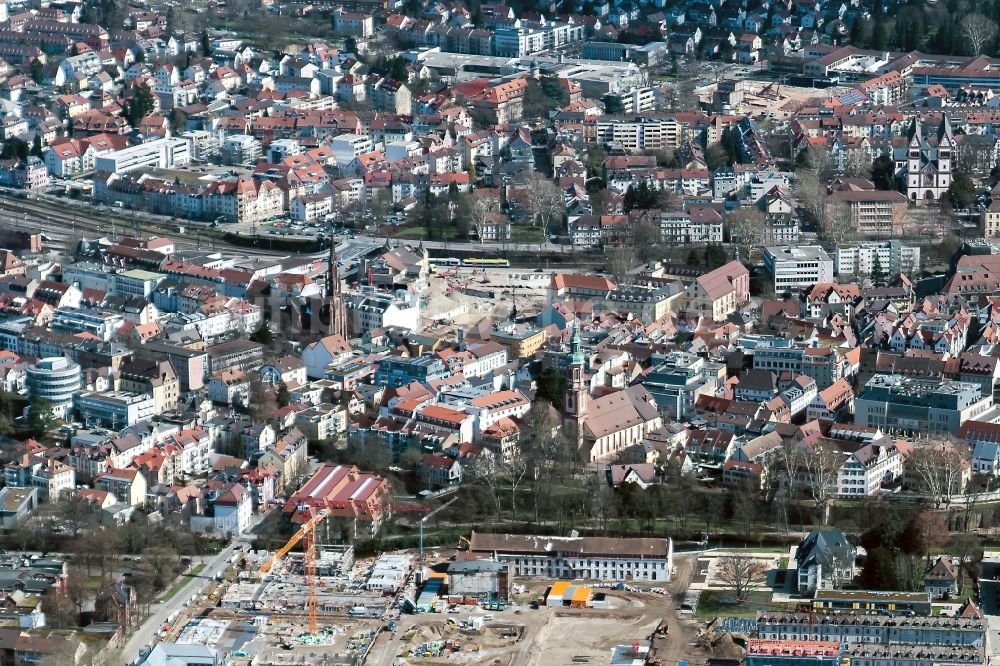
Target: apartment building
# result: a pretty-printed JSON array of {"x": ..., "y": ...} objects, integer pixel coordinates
[
  {"x": 878, "y": 628},
  {"x": 101, "y": 324},
  {"x": 636, "y": 100},
  {"x": 369, "y": 309},
  {"x": 224, "y": 510},
  {"x": 356, "y": 24},
  {"x": 639, "y": 134},
  {"x": 191, "y": 365},
  {"x": 521, "y": 340},
  {"x": 699, "y": 226},
  {"x": 154, "y": 378},
  {"x": 888, "y": 257},
  {"x": 870, "y": 468},
  {"x": 323, "y": 421},
  {"x": 347, "y": 147},
  {"x": 720, "y": 292},
  {"x": 241, "y": 150},
  {"x": 54, "y": 479}
]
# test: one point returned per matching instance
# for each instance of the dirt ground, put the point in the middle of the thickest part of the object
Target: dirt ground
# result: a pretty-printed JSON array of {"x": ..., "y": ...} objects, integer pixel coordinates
[
  {"x": 552, "y": 636},
  {"x": 452, "y": 295},
  {"x": 568, "y": 636}
]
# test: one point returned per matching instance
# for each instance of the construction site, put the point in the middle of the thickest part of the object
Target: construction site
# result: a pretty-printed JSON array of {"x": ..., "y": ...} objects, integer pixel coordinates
[
  {"x": 777, "y": 100},
  {"x": 466, "y": 295},
  {"x": 314, "y": 602}
]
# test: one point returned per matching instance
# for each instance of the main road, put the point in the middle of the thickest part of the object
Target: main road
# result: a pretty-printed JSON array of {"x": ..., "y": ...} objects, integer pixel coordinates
[{"x": 160, "y": 611}]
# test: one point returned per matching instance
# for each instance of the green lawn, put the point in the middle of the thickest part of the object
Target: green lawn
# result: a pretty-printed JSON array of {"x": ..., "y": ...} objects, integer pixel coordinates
[
  {"x": 717, "y": 603},
  {"x": 179, "y": 585},
  {"x": 526, "y": 235},
  {"x": 412, "y": 233}
]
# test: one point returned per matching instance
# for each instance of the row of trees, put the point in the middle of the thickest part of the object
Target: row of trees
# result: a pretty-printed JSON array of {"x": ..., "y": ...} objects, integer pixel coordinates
[{"x": 954, "y": 27}]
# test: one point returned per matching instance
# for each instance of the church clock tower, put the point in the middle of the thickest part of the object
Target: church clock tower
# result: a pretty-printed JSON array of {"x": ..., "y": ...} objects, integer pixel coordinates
[{"x": 575, "y": 395}]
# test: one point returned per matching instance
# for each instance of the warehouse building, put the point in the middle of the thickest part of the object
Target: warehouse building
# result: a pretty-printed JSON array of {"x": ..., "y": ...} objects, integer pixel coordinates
[{"x": 482, "y": 579}]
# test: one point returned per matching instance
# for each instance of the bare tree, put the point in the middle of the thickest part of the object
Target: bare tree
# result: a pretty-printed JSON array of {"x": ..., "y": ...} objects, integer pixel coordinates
[
  {"x": 785, "y": 464},
  {"x": 926, "y": 534},
  {"x": 940, "y": 468},
  {"x": 478, "y": 209},
  {"x": 839, "y": 561},
  {"x": 858, "y": 163},
  {"x": 620, "y": 260},
  {"x": 502, "y": 476},
  {"x": 746, "y": 231},
  {"x": 968, "y": 551},
  {"x": 822, "y": 463},
  {"x": 741, "y": 573},
  {"x": 646, "y": 240},
  {"x": 977, "y": 30},
  {"x": 811, "y": 192},
  {"x": 837, "y": 223},
  {"x": 545, "y": 200}
]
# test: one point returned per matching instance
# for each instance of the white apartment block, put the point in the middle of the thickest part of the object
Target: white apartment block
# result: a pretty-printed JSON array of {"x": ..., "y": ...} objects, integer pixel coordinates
[
  {"x": 518, "y": 40},
  {"x": 346, "y": 147},
  {"x": 167, "y": 153},
  {"x": 796, "y": 267},
  {"x": 890, "y": 257},
  {"x": 210, "y": 326},
  {"x": 641, "y": 133},
  {"x": 637, "y": 100},
  {"x": 204, "y": 144}
]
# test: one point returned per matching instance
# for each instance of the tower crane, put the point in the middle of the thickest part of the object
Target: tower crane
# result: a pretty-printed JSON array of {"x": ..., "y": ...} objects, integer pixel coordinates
[
  {"x": 307, "y": 535},
  {"x": 308, "y": 527},
  {"x": 424, "y": 520}
]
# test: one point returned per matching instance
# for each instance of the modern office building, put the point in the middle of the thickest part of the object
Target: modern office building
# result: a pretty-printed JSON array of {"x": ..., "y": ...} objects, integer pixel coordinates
[
  {"x": 901, "y": 404},
  {"x": 167, "y": 153},
  {"x": 795, "y": 267},
  {"x": 115, "y": 409},
  {"x": 395, "y": 371},
  {"x": 99, "y": 323},
  {"x": 55, "y": 379},
  {"x": 134, "y": 283}
]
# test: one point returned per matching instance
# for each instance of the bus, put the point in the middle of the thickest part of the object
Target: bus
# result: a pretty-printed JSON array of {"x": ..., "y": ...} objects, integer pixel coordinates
[{"x": 486, "y": 263}]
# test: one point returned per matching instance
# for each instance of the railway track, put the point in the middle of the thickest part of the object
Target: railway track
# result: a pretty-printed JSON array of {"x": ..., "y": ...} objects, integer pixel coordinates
[{"x": 66, "y": 224}]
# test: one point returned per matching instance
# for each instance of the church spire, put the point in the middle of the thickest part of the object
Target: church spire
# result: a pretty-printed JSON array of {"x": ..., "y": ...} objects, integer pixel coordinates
[
  {"x": 944, "y": 129},
  {"x": 575, "y": 395},
  {"x": 334, "y": 299}
]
